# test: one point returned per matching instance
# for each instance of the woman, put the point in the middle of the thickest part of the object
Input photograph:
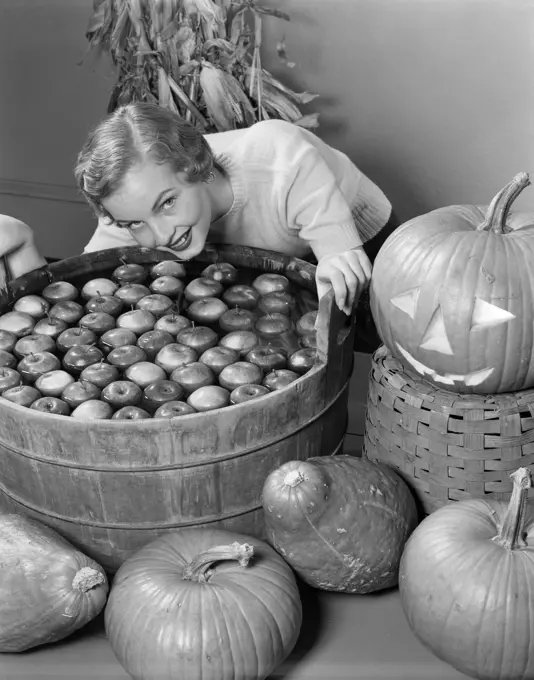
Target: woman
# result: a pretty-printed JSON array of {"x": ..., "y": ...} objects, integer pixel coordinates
[{"x": 154, "y": 180}]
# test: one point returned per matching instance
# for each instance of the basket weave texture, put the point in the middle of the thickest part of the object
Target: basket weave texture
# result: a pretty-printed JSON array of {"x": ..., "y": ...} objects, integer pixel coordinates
[{"x": 446, "y": 446}]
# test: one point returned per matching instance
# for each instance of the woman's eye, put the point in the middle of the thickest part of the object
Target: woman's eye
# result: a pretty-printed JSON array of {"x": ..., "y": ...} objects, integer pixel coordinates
[
  {"x": 135, "y": 225},
  {"x": 169, "y": 203}
]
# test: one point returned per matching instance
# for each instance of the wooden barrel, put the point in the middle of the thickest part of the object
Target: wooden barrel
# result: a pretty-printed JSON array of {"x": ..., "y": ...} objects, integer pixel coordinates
[{"x": 110, "y": 486}]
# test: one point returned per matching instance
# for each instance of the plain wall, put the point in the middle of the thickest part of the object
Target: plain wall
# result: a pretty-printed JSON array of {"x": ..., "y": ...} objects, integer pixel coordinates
[{"x": 433, "y": 99}]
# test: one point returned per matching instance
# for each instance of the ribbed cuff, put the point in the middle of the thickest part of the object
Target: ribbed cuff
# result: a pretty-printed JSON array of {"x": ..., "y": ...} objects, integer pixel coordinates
[{"x": 371, "y": 210}]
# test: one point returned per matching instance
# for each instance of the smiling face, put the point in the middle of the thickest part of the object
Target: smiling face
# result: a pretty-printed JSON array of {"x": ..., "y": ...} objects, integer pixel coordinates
[{"x": 161, "y": 209}]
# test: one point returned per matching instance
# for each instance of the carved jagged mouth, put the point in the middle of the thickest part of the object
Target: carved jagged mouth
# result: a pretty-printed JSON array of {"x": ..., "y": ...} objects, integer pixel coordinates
[{"x": 469, "y": 379}]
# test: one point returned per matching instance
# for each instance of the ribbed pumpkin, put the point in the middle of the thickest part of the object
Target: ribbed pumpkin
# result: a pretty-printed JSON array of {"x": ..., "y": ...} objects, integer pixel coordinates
[
  {"x": 452, "y": 294},
  {"x": 48, "y": 589},
  {"x": 202, "y": 604},
  {"x": 341, "y": 522},
  {"x": 467, "y": 584}
]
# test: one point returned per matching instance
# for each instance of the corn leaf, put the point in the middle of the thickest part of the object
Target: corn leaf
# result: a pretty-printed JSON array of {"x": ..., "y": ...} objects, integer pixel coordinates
[{"x": 215, "y": 92}]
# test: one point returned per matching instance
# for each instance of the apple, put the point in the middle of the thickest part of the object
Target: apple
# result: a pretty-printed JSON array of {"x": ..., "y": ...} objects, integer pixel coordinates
[
  {"x": 267, "y": 357},
  {"x": 34, "y": 343},
  {"x": 308, "y": 340},
  {"x": 78, "y": 392},
  {"x": 8, "y": 340},
  {"x": 23, "y": 395},
  {"x": 52, "y": 383},
  {"x": 100, "y": 374},
  {"x": 278, "y": 301},
  {"x": 79, "y": 357},
  {"x": 160, "y": 392},
  {"x": 279, "y": 378},
  {"x": 200, "y": 338},
  {"x": 302, "y": 360},
  {"x": 240, "y": 373},
  {"x": 156, "y": 304},
  {"x": 125, "y": 356},
  {"x": 224, "y": 272},
  {"x": 98, "y": 322},
  {"x": 237, "y": 319},
  {"x": 173, "y": 409},
  {"x": 9, "y": 377},
  {"x": 129, "y": 273},
  {"x": 208, "y": 310},
  {"x": 219, "y": 357},
  {"x": 122, "y": 393},
  {"x": 202, "y": 287},
  {"x": 67, "y": 310},
  {"x": 34, "y": 305},
  {"x": 306, "y": 323},
  {"x": 116, "y": 337},
  {"x": 34, "y": 365},
  {"x": 93, "y": 409},
  {"x": 51, "y": 404},
  {"x": 269, "y": 283},
  {"x": 59, "y": 291},
  {"x": 131, "y": 293},
  {"x": 18, "y": 323},
  {"x": 71, "y": 337},
  {"x": 242, "y": 296},
  {"x": 99, "y": 286},
  {"x": 138, "y": 320},
  {"x": 192, "y": 376},
  {"x": 173, "y": 323},
  {"x": 167, "y": 285},
  {"x": 247, "y": 392},
  {"x": 144, "y": 373},
  {"x": 271, "y": 325},
  {"x": 8, "y": 360},
  {"x": 110, "y": 304},
  {"x": 208, "y": 398},
  {"x": 50, "y": 326},
  {"x": 174, "y": 355},
  {"x": 130, "y": 413},
  {"x": 240, "y": 341},
  {"x": 152, "y": 341}
]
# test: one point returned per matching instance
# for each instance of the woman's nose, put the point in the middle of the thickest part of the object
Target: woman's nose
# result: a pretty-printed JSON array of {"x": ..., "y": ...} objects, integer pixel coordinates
[{"x": 162, "y": 231}]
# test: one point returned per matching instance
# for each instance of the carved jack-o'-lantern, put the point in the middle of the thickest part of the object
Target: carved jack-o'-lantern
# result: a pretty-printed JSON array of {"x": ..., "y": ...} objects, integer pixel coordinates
[{"x": 452, "y": 295}]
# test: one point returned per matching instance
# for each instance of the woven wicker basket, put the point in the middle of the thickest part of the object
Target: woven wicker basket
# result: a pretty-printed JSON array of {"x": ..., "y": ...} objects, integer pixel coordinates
[{"x": 447, "y": 446}]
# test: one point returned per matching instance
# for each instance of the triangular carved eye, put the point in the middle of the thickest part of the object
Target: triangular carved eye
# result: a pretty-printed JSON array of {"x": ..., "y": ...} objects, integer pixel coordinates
[
  {"x": 435, "y": 336},
  {"x": 486, "y": 314},
  {"x": 407, "y": 302}
]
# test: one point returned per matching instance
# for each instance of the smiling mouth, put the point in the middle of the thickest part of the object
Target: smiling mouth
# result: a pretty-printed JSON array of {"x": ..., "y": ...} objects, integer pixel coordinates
[{"x": 183, "y": 242}]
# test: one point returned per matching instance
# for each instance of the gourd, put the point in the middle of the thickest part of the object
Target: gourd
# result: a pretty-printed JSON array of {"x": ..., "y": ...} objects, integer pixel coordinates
[
  {"x": 466, "y": 584},
  {"x": 203, "y": 604},
  {"x": 48, "y": 589},
  {"x": 341, "y": 522},
  {"x": 452, "y": 293}
]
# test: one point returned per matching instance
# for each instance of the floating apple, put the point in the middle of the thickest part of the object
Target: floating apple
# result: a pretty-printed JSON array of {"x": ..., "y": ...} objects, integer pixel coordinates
[
  {"x": 219, "y": 357},
  {"x": 8, "y": 360},
  {"x": 279, "y": 378},
  {"x": 174, "y": 355},
  {"x": 167, "y": 268},
  {"x": 50, "y": 326},
  {"x": 202, "y": 287},
  {"x": 199, "y": 338},
  {"x": 98, "y": 322},
  {"x": 156, "y": 304},
  {"x": 131, "y": 293},
  {"x": 18, "y": 323},
  {"x": 36, "y": 364},
  {"x": 173, "y": 409},
  {"x": 193, "y": 376},
  {"x": 53, "y": 383},
  {"x": 209, "y": 398},
  {"x": 172, "y": 323},
  {"x": 138, "y": 320},
  {"x": 116, "y": 337},
  {"x": 302, "y": 360},
  {"x": 247, "y": 393},
  {"x": 130, "y": 413},
  {"x": 224, "y": 272},
  {"x": 267, "y": 357},
  {"x": 126, "y": 355},
  {"x": 68, "y": 311},
  {"x": 208, "y": 310},
  {"x": 8, "y": 340},
  {"x": 34, "y": 305},
  {"x": 152, "y": 341},
  {"x": 79, "y": 357},
  {"x": 279, "y": 301},
  {"x": 78, "y": 392},
  {"x": 122, "y": 393},
  {"x": 50, "y": 404},
  {"x": 30, "y": 344},
  {"x": 306, "y": 324},
  {"x": 167, "y": 285},
  {"x": 160, "y": 392},
  {"x": 269, "y": 283},
  {"x": 59, "y": 291},
  {"x": 109, "y": 304},
  {"x": 9, "y": 377},
  {"x": 308, "y": 340},
  {"x": 71, "y": 337},
  {"x": 100, "y": 374},
  {"x": 238, "y": 319},
  {"x": 129, "y": 273},
  {"x": 272, "y": 325},
  {"x": 94, "y": 409},
  {"x": 240, "y": 341},
  {"x": 144, "y": 373},
  {"x": 240, "y": 373},
  {"x": 96, "y": 287},
  {"x": 23, "y": 395},
  {"x": 241, "y": 295}
]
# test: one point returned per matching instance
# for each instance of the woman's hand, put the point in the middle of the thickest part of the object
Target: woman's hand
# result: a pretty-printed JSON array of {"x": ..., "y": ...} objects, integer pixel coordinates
[
  {"x": 348, "y": 273},
  {"x": 18, "y": 246}
]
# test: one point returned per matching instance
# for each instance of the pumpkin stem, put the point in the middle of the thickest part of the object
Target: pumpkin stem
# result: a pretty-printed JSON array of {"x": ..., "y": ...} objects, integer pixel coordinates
[
  {"x": 200, "y": 568},
  {"x": 294, "y": 478},
  {"x": 500, "y": 206},
  {"x": 87, "y": 578},
  {"x": 511, "y": 532}
]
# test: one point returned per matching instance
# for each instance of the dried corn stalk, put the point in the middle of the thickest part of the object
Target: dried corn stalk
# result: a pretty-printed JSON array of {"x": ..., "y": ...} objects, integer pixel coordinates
[{"x": 200, "y": 58}]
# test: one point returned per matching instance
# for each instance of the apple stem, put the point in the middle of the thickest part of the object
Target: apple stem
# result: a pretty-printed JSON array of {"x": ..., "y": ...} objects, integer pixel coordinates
[{"x": 121, "y": 259}]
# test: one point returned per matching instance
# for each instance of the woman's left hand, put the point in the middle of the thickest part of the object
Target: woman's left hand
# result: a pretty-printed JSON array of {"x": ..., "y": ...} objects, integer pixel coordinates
[{"x": 348, "y": 273}]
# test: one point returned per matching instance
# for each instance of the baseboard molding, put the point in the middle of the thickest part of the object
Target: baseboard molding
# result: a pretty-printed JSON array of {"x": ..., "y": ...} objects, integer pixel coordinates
[{"x": 40, "y": 190}]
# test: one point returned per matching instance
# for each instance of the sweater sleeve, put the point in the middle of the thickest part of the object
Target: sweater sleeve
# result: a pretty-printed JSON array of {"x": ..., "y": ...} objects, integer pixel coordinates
[{"x": 108, "y": 236}]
